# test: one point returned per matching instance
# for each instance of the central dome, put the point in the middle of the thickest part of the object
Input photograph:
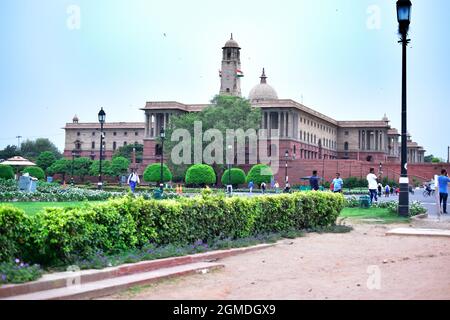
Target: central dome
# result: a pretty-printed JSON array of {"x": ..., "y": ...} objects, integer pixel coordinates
[
  {"x": 263, "y": 91},
  {"x": 231, "y": 43}
]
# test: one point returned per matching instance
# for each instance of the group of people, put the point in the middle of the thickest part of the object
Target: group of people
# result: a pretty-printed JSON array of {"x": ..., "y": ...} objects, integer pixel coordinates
[{"x": 275, "y": 185}]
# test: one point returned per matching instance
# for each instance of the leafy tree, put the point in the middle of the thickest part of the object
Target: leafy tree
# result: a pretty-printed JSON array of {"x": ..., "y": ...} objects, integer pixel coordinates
[
  {"x": 94, "y": 169},
  {"x": 200, "y": 174},
  {"x": 436, "y": 160},
  {"x": 127, "y": 152},
  {"x": 6, "y": 172},
  {"x": 9, "y": 152},
  {"x": 260, "y": 173},
  {"x": 428, "y": 158},
  {"x": 81, "y": 167},
  {"x": 61, "y": 166},
  {"x": 32, "y": 149},
  {"x": 45, "y": 160},
  {"x": 119, "y": 166},
  {"x": 236, "y": 175},
  {"x": 153, "y": 173},
  {"x": 225, "y": 112},
  {"x": 35, "y": 172}
]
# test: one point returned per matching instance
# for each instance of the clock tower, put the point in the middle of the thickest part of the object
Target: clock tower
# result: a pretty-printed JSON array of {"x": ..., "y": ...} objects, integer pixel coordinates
[{"x": 231, "y": 73}]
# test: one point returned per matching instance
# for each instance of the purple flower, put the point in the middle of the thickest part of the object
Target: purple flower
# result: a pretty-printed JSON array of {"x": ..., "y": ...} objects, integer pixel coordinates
[{"x": 17, "y": 261}]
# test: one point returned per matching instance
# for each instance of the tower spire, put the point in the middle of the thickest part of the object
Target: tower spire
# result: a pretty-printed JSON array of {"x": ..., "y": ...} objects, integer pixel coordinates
[
  {"x": 263, "y": 76},
  {"x": 231, "y": 36}
]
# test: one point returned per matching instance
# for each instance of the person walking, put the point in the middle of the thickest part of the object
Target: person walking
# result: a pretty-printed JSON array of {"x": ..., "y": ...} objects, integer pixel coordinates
[
  {"x": 250, "y": 186},
  {"x": 287, "y": 189},
  {"x": 133, "y": 180},
  {"x": 314, "y": 181},
  {"x": 338, "y": 183},
  {"x": 380, "y": 187},
  {"x": 372, "y": 181},
  {"x": 277, "y": 187},
  {"x": 443, "y": 181},
  {"x": 263, "y": 187},
  {"x": 387, "y": 191}
]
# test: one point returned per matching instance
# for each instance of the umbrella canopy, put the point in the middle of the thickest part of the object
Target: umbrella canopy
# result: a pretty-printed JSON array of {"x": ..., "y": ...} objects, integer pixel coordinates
[{"x": 18, "y": 162}]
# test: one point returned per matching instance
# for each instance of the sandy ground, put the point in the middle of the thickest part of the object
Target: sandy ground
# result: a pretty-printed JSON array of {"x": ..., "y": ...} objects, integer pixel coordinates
[{"x": 363, "y": 264}]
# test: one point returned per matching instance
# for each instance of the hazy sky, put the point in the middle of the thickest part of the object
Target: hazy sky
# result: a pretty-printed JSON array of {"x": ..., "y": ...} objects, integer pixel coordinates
[{"x": 342, "y": 56}]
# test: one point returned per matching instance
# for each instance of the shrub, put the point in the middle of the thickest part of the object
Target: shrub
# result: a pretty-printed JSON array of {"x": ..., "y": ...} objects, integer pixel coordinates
[
  {"x": 18, "y": 272},
  {"x": 200, "y": 175},
  {"x": 260, "y": 173},
  {"x": 237, "y": 176},
  {"x": 59, "y": 236},
  {"x": 153, "y": 173},
  {"x": 35, "y": 172},
  {"x": 6, "y": 172},
  {"x": 14, "y": 229}
]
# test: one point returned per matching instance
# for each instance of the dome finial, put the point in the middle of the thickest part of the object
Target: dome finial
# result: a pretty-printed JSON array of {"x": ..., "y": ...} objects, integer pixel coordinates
[
  {"x": 263, "y": 76},
  {"x": 231, "y": 36}
]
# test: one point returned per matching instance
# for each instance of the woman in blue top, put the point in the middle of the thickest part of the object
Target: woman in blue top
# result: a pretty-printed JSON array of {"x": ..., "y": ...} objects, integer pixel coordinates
[{"x": 443, "y": 181}]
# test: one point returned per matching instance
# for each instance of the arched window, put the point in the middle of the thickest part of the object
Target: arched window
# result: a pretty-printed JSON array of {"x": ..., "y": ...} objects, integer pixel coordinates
[
  {"x": 158, "y": 150},
  {"x": 346, "y": 146},
  {"x": 114, "y": 145}
]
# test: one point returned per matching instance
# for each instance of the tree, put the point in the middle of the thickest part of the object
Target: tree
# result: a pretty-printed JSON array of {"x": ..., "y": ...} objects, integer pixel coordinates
[
  {"x": 32, "y": 149},
  {"x": 81, "y": 167},
  {"x": 119, "y": 166},
  {"x": 127, "y": 152},
  {"x": 260, "y": 173},
  {"x": 200, "y": 175},
  {"x": 153, "y": 173},
  {"x": 236, "y": 175},
  {"x": 94, "y": 168},
  {"x": 6, "y": 172},
  {"x": 61, "y": 166},
  {"x": 35, "y": 172},
  {"x": 9, "y": 152},
  {"x": 428, "y": 158},
  {"x": 225, "y": 112},
  {"x": 45, "y": 160}
]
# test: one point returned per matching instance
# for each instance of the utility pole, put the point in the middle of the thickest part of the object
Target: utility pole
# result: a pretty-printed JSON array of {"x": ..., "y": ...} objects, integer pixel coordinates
[{"x": 18, "y": 142}]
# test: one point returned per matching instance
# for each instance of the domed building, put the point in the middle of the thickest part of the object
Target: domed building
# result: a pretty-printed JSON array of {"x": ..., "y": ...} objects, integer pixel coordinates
[{"x": 262, "y": 91}]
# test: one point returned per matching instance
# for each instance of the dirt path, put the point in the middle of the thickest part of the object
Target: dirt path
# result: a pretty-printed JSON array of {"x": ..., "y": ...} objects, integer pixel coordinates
[{"x": 328, "y": 266}]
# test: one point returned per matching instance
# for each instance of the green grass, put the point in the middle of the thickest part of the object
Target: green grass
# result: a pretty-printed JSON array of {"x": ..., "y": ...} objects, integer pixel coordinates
[
  {"x": 31, "y": 208},
  {"x": 384, "y": 215}
]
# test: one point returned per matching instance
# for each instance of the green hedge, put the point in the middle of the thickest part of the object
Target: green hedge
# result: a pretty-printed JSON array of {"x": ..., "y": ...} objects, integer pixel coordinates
[
  {"x": 260, "y": 173},
  {"x": 236, "y": 175},
  {"x": 153, "y": 173},
  {"x": 35, "y": 172},
  {"x": 200, "y": 175},
  {"x": 59, "y": 236},
  {"x": 6, "y": 172}
]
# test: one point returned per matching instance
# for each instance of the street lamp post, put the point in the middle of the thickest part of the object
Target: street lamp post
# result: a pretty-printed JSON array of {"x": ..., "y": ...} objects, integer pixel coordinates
[
  {"x": 73, "y": 160},
  {"x": 101, "y": 119},
  {"x": 286, "y": 157},
  {"x": 162, "y": 135},
  {"x": 404, "y": 20},
  {"x": 229, "y": 187}
]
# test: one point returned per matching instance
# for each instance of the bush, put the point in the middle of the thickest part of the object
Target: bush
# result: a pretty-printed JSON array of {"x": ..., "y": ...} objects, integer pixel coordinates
[
  {"x": 59, "y": 236},
  {"x": 14, "y": 229},
  {"x": 153, "y": 173},
  {"x": 35, "y": 172},
  {"x": 8, "y": 185},
  {"x": 6, "y": 172},
  {"x": 260, "y": 173},
  {"x": 18, "y": 272},
  {"x": 200, "y": 175},
  {"x": 237, "y": 176}
]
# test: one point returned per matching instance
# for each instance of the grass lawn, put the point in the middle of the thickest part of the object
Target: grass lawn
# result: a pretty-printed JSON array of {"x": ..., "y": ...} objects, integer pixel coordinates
[
  {"x": 31, "y": 208},
  {"x": 384, "y": 215}
]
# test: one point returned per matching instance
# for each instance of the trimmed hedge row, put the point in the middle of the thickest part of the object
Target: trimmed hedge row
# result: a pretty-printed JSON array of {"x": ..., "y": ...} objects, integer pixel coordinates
[{"x": 59, "y": 236}]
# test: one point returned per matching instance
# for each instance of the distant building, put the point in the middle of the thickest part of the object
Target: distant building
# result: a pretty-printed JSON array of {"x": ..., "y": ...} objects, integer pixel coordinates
[{"x": 304, "y": 132}]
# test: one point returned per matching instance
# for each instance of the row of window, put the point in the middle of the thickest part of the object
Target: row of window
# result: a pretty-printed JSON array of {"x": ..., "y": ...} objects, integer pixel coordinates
[
  {"x": 136, "y": 133},
  {"x": 310, "y": 138},
  {"x": 78, "y": 145},
  {"x": 318, "y": 125}
]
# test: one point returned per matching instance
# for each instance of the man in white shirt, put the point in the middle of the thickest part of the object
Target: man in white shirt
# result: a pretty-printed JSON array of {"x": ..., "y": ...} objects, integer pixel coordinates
[
  {"x": 133, "y": 180},
  {"x": 372, "y": 180}
]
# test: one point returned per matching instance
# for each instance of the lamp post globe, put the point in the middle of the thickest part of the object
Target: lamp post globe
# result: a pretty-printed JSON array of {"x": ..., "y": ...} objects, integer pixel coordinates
[
  {"x": 102, "y": 120},
  {"x": 404, "y": 20}
]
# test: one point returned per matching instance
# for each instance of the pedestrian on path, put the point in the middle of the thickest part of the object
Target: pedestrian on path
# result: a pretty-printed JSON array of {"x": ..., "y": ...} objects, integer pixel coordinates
[
  {"x": 387, "y": 191},
  {"x": 277, "y": 187},
  {"x": 250, "y": 186},
  {"x": 338, "y": 183},
  {"x": 372, "y": 181},
  {"x": 443, "y": 181},
  {"x": 133, "y": 180},
  {"x": 263, "y": 187},
  {"x": 314, "y": 181}
]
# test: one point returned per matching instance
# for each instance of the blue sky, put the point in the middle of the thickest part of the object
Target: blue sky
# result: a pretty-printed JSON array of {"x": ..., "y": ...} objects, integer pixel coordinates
[{"x": 341, "y": 57}]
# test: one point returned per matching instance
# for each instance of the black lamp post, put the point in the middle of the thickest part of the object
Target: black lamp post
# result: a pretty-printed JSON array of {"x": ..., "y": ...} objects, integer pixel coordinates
[
  {"x": 73, "y": 160},
  {"x": 404, "y": 20},
  {"x": 162, "y": 135},
  {"x": 101, "y": 119},
  {"x": 286, "y": 157}
]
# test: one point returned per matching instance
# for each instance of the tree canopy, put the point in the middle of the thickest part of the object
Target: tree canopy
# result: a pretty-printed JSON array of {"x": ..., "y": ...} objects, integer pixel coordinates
[
  {"x": 127, "y": 152},
  {"x": 45, "y": 160},
  {"x": 32, "y": 149}
]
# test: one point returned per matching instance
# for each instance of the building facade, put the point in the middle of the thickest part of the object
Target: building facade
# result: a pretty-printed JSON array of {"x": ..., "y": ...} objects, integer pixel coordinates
[{"x": 302, "y": 132}]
